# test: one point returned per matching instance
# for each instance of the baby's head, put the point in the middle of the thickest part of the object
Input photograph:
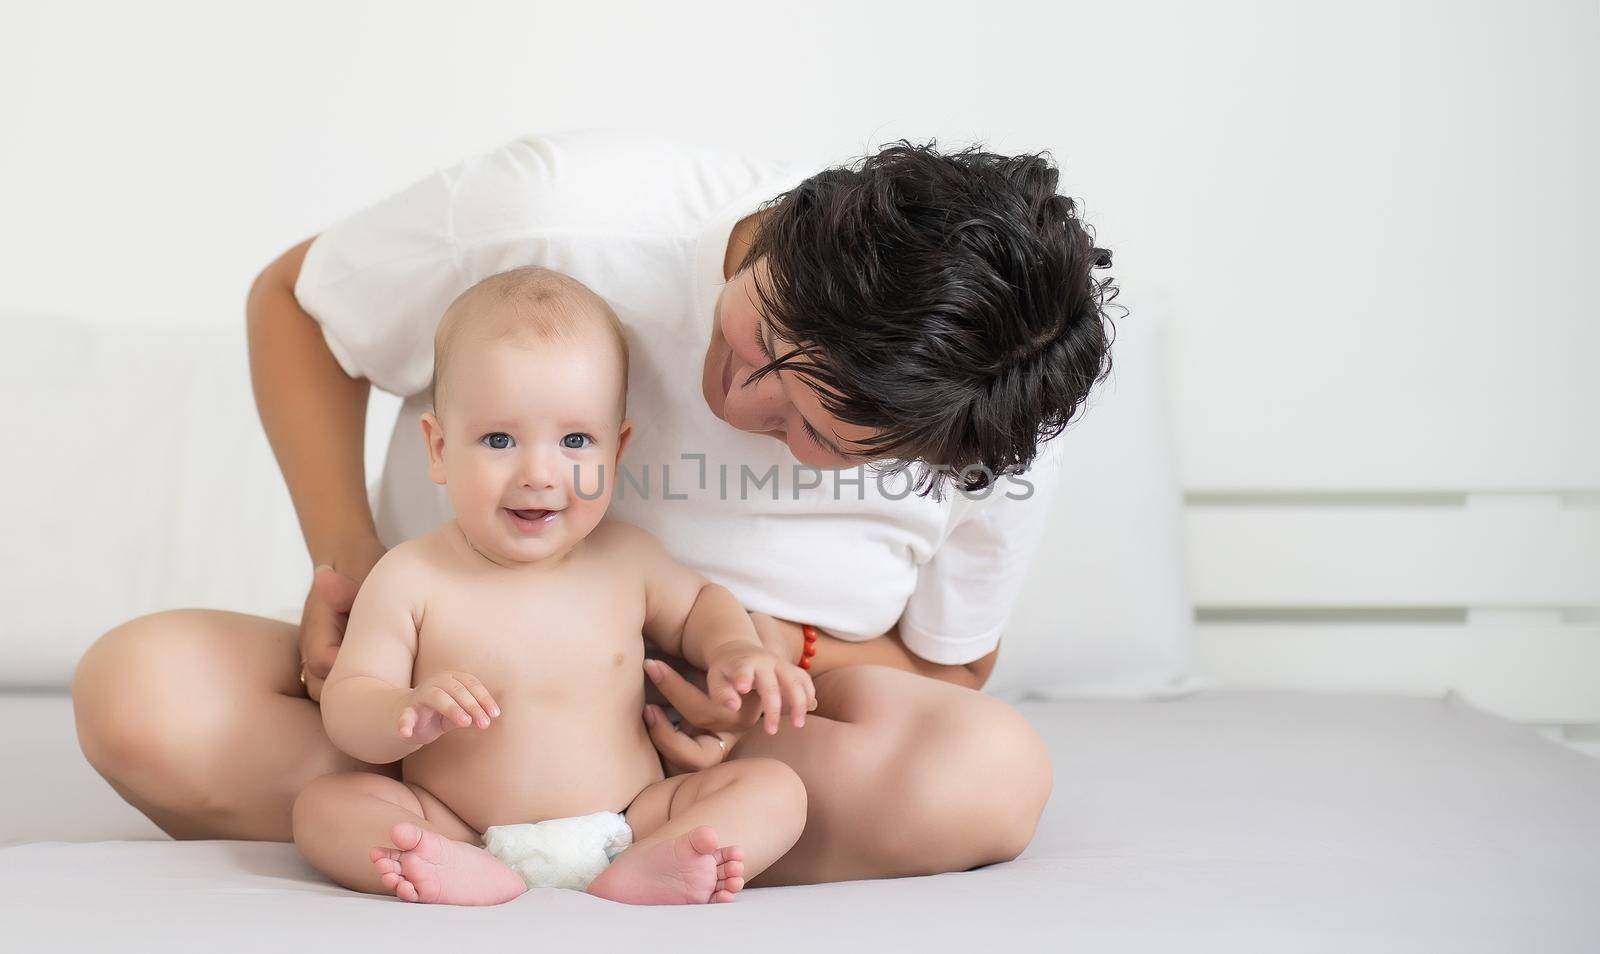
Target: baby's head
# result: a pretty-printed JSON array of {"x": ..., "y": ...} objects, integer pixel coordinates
[{"x": 530, "y": 385}]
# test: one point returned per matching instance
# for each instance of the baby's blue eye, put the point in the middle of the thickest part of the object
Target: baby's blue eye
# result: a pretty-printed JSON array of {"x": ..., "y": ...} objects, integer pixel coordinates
[
  {"x": 567, "y": 441},
  {"x": 499, "y": 440}
]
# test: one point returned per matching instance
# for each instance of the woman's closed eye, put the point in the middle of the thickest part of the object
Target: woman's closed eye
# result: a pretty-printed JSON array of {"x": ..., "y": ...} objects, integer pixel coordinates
[
  {"x": 827, "y": 445},
  {"x": 805, "y": 425},
  {"x": 811, "y": 432},
  {"x": 761, "y": 343}
]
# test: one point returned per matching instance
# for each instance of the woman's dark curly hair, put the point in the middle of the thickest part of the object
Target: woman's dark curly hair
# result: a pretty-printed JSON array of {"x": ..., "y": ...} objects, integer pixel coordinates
[{"x": 945, "y": 301}]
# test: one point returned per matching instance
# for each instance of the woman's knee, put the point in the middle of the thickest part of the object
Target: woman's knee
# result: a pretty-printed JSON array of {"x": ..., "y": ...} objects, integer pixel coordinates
[
  {"x": 978, "y": 779},
  {"x": 148, "y": 696}
]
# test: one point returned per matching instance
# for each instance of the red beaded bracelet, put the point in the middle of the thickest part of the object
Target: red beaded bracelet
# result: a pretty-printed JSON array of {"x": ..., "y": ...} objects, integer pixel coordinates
[{"x": 810, "y": 633}]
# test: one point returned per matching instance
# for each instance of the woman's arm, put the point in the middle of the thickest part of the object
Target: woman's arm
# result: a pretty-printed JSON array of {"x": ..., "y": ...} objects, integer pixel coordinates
[
  {"x": 785, "y": 638},
  {"x": 315, "y": 418}
]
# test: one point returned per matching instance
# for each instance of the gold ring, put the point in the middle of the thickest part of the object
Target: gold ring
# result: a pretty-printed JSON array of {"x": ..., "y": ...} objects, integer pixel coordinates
[{"x": 303, "y": 676}]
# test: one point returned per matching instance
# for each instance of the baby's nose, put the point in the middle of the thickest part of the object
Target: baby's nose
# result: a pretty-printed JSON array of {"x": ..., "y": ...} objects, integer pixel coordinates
[{"x": 540, "y": 471}]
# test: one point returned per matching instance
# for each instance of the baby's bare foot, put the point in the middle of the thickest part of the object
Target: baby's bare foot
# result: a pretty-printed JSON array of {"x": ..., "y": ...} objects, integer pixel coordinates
[
  {"x": 428, "y": 867},
  {"x": 688, "y": 869}
]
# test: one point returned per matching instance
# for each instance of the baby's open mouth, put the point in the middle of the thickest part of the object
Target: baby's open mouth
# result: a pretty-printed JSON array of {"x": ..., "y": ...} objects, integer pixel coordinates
[
  {"x": 533, "y": 514},
  {"x": 531, "y": 521}
]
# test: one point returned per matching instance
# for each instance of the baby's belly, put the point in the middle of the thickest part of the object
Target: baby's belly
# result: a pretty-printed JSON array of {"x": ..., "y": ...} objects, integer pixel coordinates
[{"x": 539, "y": 762}]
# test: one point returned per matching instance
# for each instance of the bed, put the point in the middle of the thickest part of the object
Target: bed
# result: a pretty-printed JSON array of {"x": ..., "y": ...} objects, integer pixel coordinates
[{"x": 1222, "y": 821}]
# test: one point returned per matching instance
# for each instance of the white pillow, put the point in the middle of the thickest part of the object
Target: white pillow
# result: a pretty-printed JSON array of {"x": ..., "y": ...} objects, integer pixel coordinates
[{"x": 1105, "y": 612}]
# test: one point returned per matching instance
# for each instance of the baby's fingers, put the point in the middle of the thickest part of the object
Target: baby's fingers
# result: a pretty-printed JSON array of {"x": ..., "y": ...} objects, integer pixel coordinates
[
  {"x": 795, "y": 682},
  {"x": 718, "y": 687},
  {"x": 480, "y": 693},
  {"x": 771, "y": 699},
  {"x": 810, "y": 685},
  {"x": 467, "y": 700},
  {"x": 446, "y": 705},
  {"x": 408, "y": 721}
]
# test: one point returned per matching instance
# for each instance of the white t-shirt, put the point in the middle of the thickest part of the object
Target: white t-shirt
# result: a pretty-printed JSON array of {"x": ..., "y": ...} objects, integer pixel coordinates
[{"x": 645, "y": 222}]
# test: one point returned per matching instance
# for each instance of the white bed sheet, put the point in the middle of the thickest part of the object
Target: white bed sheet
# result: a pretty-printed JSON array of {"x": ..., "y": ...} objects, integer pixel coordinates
[{"x": 1222, "y": 822}]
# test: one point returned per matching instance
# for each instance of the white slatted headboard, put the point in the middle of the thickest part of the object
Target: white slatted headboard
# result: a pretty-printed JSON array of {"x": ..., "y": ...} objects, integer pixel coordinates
[{"x": 1491, "y": 595}]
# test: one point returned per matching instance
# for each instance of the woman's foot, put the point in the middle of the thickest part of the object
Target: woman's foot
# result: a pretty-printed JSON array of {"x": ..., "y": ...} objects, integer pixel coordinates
[
  {"x": 428, "y": 867},
  {"x": 688, "y": 869}
]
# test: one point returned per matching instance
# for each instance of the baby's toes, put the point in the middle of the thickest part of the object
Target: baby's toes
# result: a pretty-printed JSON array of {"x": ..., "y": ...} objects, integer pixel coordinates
[
  {"x": 405, "y": 836},
  {"x": 383, "y": 851},
  {"x": 728, "y": 869},
  {"x": 721, "y": 897},
  {"x": 386, "y": 866},
  {"x": 404, "y": 890},
  {"x": 703, "y": 840},
  {"x": 731, "y": 885}
]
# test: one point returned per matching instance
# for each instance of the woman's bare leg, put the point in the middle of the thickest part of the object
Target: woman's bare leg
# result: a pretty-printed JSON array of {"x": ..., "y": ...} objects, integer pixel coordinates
[
  {"x": 198, "y": 719},
  {"x": 906, "y": 775}
]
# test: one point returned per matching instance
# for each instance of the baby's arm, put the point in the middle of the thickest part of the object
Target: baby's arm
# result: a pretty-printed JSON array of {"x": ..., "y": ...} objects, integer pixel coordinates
[
  {"x": 704, "y": 623},
  {"x": 686, "y": 614},
  {"x": 368, "y": 706}
]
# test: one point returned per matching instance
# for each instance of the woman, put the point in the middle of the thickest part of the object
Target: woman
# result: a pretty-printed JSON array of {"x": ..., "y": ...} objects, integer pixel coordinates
[{"x": 932, "y": 316}]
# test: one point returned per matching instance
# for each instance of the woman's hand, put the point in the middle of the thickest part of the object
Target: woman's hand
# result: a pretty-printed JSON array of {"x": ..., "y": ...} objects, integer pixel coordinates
[
  {"x": 686, "y": 747},
  {"x": 695, "y": 705},
  {"x": 325, "y": 615},
  {"x": 684, "y": 752},
  {"x": 709, "y": 730},
  {"x": 693, "y": 750}
]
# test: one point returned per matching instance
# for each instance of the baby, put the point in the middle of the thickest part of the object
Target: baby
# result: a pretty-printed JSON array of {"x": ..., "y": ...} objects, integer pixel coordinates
[{"x": 499, "y": 657}]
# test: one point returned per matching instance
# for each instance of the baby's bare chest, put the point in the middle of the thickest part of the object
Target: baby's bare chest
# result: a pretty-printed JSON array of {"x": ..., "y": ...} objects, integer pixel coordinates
[{"x": 558, "y": 644}]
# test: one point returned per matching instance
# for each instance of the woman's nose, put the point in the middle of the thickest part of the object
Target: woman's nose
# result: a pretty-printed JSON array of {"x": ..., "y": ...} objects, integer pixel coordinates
[{"x": 758, "y": 406}]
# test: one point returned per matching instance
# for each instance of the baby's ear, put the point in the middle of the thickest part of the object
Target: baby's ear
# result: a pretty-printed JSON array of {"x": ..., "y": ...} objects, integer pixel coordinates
[
  {"x": 433, "y": 434},
  {"x": 623, "y": 434}
]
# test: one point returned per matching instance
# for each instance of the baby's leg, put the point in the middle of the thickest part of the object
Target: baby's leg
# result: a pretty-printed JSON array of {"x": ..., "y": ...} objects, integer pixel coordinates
[
  {"x": 697, "y": 837},
  {"x": 382, "y": 836}
]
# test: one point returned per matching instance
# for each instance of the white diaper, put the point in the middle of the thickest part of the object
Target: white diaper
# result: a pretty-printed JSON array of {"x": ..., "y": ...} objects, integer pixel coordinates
[{"x": 561, "y": 852}]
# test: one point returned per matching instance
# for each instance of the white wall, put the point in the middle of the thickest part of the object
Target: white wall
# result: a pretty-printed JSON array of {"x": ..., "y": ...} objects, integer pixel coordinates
[{"x": 1372, "y": 222}]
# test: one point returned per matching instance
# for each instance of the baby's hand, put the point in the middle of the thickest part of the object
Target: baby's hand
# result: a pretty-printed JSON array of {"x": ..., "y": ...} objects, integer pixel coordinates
[
  {"x": 735, "y": 668},
  {"x": 444, "y": 701}
]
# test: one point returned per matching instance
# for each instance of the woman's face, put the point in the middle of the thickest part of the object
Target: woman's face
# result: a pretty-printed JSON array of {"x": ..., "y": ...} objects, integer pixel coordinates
[{"x": 781, "y": 405}]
